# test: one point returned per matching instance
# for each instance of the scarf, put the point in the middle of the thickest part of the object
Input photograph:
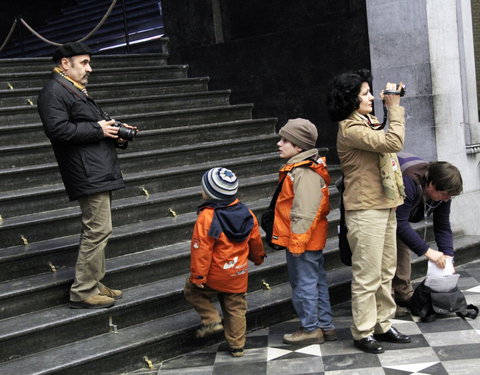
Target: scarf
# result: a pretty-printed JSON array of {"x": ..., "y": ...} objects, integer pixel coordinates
[
  {"x": 78, "y": 85},
  {"x": 390, "y": 171}
]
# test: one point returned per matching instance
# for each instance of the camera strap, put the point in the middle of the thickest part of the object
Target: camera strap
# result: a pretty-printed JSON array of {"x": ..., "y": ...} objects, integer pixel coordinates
[{"x": 104, "y": 115}]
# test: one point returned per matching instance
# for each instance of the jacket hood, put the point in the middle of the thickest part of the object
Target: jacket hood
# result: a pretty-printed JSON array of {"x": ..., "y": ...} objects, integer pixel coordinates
[
  {"x": 232, "y": 218},
  {"x": 304, "y": 155}
]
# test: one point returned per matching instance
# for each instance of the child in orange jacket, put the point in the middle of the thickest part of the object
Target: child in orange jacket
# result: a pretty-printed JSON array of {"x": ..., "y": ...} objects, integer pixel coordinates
[
  {"x": 301, "y": 226},
  {"x": 225, "y": 237}
]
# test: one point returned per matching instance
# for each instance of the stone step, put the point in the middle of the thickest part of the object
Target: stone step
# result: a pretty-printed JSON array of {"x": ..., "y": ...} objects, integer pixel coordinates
[
  {"x": 211, "y": 152},
  {"x": 44, "y": 290},
  {"x": 33, "y": 199},
  {"x": 16, "y": 262},
  {"x": 139, "y": 266},
  {"x": 22, "y": 155},
  {"x": 39, "y": 228},
  {"x": 129, "y": 105},
  {"x": 29, "y": 202},
  {"x": 124, "y": 347},
  {"x": 25, "y": 133},
  {"x": 62, "y": 222},
  {"x": 156, "y": 293},
  {"x": 112, "y": 353},
  {"x": 100, "y": 75},
  {"x": 45, "y": 64},
  {"x": 28, "y": 96}
]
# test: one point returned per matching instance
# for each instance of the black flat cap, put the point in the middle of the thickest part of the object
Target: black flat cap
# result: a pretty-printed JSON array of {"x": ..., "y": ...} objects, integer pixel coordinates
[{"x": 71, "y": 49}]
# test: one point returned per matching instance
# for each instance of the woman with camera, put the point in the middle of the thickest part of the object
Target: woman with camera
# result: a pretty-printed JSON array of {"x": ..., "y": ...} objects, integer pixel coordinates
[{"x": 373, "y": 189}]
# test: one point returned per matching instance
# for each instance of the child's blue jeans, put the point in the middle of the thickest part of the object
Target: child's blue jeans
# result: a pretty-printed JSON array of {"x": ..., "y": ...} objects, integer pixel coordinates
[{"x": 310, "y": 297}]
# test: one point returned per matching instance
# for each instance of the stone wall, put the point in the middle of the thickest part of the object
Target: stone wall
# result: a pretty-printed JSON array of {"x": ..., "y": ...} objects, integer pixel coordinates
[
  {"x": 399, "y": 51},
  {"x": 476, "y": 39},
  {"x": 456, "y": 115},
  {"x": 278, "y": 54},
  {"x": 429, "y": 45}
]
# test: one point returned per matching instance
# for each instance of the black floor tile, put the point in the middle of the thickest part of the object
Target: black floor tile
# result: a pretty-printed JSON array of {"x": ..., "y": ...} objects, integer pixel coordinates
[
  {"x": 350, "y": 361},
  {"x": 456, "y": 352}
]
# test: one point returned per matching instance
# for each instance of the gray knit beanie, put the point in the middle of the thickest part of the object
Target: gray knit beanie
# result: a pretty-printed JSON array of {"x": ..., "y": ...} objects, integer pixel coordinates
[{"x": 300, "y": 132}]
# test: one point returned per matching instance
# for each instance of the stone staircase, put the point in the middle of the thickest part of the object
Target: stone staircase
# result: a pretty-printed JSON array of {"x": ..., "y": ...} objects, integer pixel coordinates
[{"x": 185, "y": 130}]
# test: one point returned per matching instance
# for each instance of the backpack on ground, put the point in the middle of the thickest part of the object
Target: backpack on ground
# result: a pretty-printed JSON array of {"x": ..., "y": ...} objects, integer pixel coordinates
[{"x": 429, "y": 304}]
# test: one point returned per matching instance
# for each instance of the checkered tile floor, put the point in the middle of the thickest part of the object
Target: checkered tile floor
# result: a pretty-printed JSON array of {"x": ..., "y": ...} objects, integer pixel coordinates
[{"x": 448, "y": 346}]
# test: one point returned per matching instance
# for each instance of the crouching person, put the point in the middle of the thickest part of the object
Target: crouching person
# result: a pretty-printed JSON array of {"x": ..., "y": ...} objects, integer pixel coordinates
[{"x": 225, "y": 237}]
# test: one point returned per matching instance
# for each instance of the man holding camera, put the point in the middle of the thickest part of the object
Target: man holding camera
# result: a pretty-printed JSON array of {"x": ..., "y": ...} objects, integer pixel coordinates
[{"x": 84, "y": 139}]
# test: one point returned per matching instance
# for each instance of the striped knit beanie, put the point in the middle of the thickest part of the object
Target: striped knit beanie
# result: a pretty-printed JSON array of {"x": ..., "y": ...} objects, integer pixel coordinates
[{"x": 220, "y": 183}]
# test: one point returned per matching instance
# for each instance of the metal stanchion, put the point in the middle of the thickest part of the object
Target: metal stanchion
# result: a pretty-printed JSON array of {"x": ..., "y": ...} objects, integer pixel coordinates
[{"x": 125, "y": 25}]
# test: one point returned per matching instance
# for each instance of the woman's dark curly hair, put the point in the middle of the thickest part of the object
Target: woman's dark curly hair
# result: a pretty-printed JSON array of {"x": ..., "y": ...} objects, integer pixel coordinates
[{"x": 342, "y": 98}]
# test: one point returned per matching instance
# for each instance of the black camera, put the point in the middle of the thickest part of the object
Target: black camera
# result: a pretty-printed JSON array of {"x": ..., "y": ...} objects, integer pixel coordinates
[
  {"x": 124, "y": 132},
  {"x": 399, "y": 91}
]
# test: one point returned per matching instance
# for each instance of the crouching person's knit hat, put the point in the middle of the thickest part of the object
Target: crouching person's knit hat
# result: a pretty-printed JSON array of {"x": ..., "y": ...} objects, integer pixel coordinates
[
  {"x": 220, "y": 183},
  {"x": 300, "y": 132}
]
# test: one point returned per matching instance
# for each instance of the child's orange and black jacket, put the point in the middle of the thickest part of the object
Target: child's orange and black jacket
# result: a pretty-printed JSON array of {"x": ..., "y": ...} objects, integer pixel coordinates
[
  {"x": 225, "y": 237},
  {"x": 302, "y": 205}
]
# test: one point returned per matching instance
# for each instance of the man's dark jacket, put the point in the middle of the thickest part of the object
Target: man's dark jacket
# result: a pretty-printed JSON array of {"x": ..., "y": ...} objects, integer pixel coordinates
[{"x": 87, "y": 160}]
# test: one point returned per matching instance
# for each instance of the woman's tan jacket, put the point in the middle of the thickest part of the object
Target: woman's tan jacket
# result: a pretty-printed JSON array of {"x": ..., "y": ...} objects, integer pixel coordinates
[{"x": 358, "y": 147}]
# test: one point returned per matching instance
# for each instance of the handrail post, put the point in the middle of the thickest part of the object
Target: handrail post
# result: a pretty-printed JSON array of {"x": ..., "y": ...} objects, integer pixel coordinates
[
  {"x": 20, "y": 35},
  {"x": 125, "y": 25}
]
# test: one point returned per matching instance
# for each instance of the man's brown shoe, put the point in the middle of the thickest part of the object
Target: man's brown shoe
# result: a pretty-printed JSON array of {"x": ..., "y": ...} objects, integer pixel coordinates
[
  {"x": 97, "y": 301},
  {"x": 302, "y": 337},
  {"x": 330, "y": 334},
  {"x": 112, "y": 293}
]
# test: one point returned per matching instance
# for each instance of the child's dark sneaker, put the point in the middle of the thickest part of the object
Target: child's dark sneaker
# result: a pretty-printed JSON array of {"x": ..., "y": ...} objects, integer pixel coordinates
[
  {"x": 209, "y": 329},
  {"x": 238, "y": 352}
]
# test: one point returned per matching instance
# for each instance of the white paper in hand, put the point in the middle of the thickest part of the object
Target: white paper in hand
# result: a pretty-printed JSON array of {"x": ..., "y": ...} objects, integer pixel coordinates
[
  {"x": 441, "y": 279},
  {"x": 434, "y": 270}
]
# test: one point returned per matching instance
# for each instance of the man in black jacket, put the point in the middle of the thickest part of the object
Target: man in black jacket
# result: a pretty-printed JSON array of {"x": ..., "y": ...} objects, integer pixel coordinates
[{"x": 84, "y": 142}]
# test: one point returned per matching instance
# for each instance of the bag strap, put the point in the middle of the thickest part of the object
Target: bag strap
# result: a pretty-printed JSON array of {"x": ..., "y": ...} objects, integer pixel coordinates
[
  {"x": 468, "y": 314},
  {"x": 341, "y": 189},
  {"x": 304, "y": 163},
  {"x": 273, "y": 202}
]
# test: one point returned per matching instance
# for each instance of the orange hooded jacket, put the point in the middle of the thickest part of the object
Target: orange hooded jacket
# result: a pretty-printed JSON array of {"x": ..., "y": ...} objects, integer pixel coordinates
[
  {"x": 289, "y": 210},
  {"x": 222, "y": 263}
]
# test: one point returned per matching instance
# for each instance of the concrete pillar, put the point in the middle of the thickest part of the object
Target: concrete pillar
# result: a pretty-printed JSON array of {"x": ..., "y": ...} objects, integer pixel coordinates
[
  {"x": 429, "y": 45},
  {"x": 399, "y": 51}
]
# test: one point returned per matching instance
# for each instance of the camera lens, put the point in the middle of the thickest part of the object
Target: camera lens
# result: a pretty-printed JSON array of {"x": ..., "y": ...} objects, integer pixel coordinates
[{"x": 126, "y": 133}]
